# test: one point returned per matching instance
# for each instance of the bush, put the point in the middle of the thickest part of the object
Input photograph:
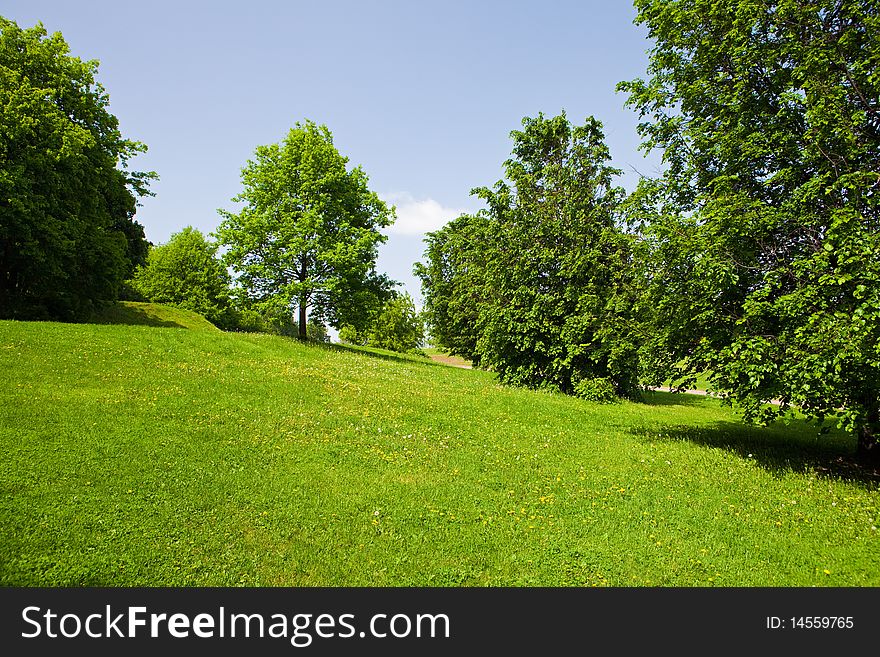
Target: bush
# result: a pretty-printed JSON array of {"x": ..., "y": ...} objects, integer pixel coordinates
[
  {"x": 185, "y": 273},
  {"x": 350, "y": 335},
  {"x": 250, "y": 321},
  {"x": 599, "y": 389},
  {"x": 398, "y": 327}
]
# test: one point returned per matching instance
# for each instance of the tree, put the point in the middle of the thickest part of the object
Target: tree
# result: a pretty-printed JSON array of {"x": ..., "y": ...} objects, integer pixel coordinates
[
  {"x": 397, "y": 326},
  {"x": 556, "y": 302},
  {"x": 67, "y": 200},
  {"x": 308, "y": 233},
  {"x": 764, "y": 227},
  {"x": 350, "y": 335},
  {"x": 185, "y": 272},
  {"x": 317, "y": 332},
  {"x": 453, "y": 281}
]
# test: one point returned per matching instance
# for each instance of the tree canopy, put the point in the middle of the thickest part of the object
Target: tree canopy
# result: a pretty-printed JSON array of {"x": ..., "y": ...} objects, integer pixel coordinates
[
  {"x": 68, "y": 237},
  {"x": 452, "y": 279},
  {"x": 764, "y": 227},
  {"x": 396, "y": 326},
  {"x": 185, "y": 272},
  {"x": 308, "y": 234},
  {"x": 555, "y": 309},
  {"x": 539, "y": 287}
]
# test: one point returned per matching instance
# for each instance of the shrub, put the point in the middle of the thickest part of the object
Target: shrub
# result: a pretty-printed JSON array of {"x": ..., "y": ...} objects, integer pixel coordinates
[{"x": 599, "y": 389}]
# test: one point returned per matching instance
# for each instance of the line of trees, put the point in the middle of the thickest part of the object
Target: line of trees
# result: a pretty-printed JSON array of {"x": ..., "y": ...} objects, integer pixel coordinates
[
  {"x": 187, "y": 272},
  {"x": 753, "y": 258}
]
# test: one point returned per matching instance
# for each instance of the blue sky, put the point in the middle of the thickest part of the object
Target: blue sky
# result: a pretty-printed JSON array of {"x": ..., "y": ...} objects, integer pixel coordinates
[{"x": 423, "y": 95}]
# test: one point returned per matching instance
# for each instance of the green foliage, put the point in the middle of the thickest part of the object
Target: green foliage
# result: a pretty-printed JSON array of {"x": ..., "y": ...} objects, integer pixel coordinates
[
  {"x": 598, "y": 390},
  {"x": 248, "y": 319},
  {"x": 135, "y": 460},
  {"x": 186, "y": 273},
  {"x": 67, "y": 201},
  {"x": 764, "y": 231},
  {"x": 308, "y": 233},
  {"x": 316, "y": 332},
  {"x": 348, "y": 334},
  {"x": 397, "y": 326},
  {"x": 540, "y": 287},
  {"x": 452, "y": 280}
]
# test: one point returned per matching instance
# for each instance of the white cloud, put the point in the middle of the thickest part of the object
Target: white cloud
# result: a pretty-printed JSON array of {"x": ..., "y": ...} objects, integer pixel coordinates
[{"x": 419, "y": 217}]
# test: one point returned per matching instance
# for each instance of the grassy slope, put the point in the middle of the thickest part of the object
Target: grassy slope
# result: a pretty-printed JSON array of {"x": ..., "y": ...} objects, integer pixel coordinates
[
  {"x": 152, "y": 314},
  {"x": 143, "y": 456}
]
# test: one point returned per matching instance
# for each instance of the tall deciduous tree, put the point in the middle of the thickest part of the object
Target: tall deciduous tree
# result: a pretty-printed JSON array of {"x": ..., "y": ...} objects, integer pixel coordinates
[
  {"x": 558, "y": 291},
  {"x": 539, "y": 286},
  {"x": 67, "y": 201},
  {"x": 308, "y": 234},
  {"x": 765, "y": 225}
]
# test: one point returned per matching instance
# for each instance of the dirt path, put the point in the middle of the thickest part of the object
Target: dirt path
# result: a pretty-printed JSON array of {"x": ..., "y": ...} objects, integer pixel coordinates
[{"x": 454, "y": 361}]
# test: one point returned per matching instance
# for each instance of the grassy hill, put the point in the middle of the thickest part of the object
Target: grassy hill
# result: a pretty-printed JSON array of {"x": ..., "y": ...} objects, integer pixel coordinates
[
  {"x": 151, "y": 314},
  {"x": 137, "y": 455}
]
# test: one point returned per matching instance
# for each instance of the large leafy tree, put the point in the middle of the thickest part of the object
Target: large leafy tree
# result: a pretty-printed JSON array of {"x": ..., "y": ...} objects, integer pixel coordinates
[
  {"x": 185, "y": 272},
  {"x": 558, "y": 281},
  {"x": 539, "y": 286},
  {"x": 765, "y": 225},
  {"x": 308, "y": 234},
  {"x": 67, "y": 201}
]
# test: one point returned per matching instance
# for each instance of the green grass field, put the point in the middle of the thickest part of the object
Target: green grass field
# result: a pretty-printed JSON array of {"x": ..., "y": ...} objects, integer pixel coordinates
[
  {"x": 152, "y": 314},
  {"x": 137, "y": 455}
]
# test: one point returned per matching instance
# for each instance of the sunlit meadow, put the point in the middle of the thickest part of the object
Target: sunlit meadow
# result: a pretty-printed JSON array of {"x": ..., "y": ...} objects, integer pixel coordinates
[{"x": 137, "y": 455}]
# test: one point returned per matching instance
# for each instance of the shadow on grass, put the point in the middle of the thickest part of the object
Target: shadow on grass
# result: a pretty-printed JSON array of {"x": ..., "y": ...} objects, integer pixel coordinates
[
  {"x": 779, "y": 449},
  {"x": 131, "y": 315},
  {"x": 383, "y": 355}
]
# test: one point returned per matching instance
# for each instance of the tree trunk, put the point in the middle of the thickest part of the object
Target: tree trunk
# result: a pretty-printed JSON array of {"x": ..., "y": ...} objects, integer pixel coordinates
[
  {"x": 302, "y": 319},
  {"x": 304, "y": 297}
]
